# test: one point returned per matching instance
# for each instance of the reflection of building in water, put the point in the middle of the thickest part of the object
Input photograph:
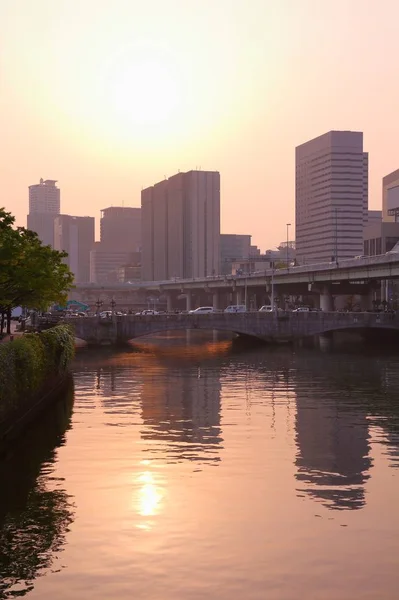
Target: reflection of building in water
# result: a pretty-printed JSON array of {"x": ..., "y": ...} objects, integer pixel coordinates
[
  {"x": 332, "y": 459},
  {"x": 119, "y": 389},
  {"x": 181, "y": 414}
]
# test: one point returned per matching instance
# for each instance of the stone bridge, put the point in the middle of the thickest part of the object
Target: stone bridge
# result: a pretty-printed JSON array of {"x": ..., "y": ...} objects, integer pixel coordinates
[{"x": 272, "y": 327}]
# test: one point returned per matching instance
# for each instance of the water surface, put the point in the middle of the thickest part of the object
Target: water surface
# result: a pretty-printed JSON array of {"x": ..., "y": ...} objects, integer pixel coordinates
[{"x": 196, "y": 469}]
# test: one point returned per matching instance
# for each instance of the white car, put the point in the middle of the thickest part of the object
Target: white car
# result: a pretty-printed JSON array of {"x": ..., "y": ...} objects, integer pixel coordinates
[
  {"x": 266, "y": 308},
  {"x": 302, "y": 309},
  {"x": 202, "y": 310},
  {"x": 236, "y": 308},
  {"x": 148, "y": 312}
]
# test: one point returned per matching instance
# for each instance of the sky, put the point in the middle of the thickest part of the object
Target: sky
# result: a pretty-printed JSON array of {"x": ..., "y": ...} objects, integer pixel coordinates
[{"x": 109, "y": 97}]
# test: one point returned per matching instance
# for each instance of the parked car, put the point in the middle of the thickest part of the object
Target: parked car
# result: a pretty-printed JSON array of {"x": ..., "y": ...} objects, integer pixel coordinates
[
  {"x": 148, "y": 312},
  {"x": 236, "y": 308},
  {"x": 266, "y": 308},
  {"x": 301, "y": 309},
  {"x": 202, "y": 310}
]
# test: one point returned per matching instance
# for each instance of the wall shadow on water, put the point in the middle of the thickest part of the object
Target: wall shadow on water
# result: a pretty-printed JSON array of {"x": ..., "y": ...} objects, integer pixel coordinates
[{"x": 35, "y": 510}]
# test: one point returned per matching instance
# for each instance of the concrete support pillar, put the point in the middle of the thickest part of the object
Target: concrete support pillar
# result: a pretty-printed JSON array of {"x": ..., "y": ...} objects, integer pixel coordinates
[
  {"x": 169, "y": 302},
  {"x": 239, "y": 296},
  {"x": 326, "y": 300},
  {"x": 188, "y": 301},
  {"x": 366, "y": 300},
  {"x": 216, "y": 300}
]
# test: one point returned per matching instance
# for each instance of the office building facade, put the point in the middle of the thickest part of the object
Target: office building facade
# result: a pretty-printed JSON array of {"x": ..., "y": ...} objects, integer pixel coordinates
[
  {"x": 120, "y": 239},
  {"x": 75, "y": 235},
  {"x": 390, "y": 197},
  {"x": 120, "y": 228},
  {"x": 44, "y": 206},
  {"x": 44, "y": 197},
  {"x": 374, "y": 216},
  {"x": 181, "y": 227},
  {"x": 380, "y": 238},
  {"x": 105, "y": 263},
  {"x": 233, "y": 247},
  {"x": 331, "y": 197}
]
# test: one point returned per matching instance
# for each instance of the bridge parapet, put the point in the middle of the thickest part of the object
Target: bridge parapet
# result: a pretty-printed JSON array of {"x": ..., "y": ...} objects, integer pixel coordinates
[{"x": 284, "y": 326}]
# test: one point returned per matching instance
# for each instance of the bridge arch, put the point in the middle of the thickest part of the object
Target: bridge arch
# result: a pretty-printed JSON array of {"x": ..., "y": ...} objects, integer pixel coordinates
[{"x": 264, "y": 326}]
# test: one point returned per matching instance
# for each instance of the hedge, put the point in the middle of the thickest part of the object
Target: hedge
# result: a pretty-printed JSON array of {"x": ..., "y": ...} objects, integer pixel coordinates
[{"x": 29, "y": 362}]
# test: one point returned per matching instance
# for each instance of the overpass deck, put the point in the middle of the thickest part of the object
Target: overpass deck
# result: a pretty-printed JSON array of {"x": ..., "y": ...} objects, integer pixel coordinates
[{"x": 353, "y": 270}]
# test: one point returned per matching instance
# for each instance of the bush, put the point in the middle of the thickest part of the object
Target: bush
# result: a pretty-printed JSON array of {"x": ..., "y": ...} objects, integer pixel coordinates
[{"x": 27, "y": 363}]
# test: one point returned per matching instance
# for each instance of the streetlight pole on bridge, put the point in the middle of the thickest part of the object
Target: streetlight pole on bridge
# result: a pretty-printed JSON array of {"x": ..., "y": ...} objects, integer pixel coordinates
[{"x": 288, "y": 226}]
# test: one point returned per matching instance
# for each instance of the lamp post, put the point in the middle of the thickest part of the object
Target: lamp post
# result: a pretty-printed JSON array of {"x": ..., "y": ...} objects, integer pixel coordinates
[
  {"x": 272, "y": 298},
  {"x": 113, "y": 304},
  {"x": 336, "y": 235},
  {"x": 99, "y": 304},
  {"x": 288, "y": 227}
]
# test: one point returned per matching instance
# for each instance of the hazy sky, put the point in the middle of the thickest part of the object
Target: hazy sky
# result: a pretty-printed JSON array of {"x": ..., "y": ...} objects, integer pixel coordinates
[{"x": 109, "y": 96}]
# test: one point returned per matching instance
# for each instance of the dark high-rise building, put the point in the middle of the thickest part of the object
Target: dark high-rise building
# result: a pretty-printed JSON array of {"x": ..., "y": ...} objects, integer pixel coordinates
[
  {"x": 75, "y": 235},
  {"x": 120, "y": 238},
  {"x": 181, "y": 227},
  {"x": 331, "y": 197},
  {"x": 44, "y": 206},
  {"x": 120, "y": 228}
]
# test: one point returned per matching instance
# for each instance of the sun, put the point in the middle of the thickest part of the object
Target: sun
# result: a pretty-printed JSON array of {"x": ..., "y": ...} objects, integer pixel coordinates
[{"x": 142, "y": 92}]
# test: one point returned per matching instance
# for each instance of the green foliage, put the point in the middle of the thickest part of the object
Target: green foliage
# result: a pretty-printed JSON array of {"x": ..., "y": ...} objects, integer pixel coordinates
[
  {"x": 28, "y": 362},
  {"x": 31, "y": 275}
]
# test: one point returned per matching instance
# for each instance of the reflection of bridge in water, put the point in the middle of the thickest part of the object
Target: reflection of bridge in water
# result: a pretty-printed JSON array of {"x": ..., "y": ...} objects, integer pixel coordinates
[{"x": 267, "y": 326}]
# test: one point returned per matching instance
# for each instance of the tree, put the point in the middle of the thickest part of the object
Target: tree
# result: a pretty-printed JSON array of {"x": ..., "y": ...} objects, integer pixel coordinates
[{"x": 31, "y": 275}]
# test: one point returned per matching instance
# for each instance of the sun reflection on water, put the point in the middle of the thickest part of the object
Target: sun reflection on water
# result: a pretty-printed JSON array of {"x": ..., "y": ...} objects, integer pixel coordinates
[{"x": 150, "y": 497}]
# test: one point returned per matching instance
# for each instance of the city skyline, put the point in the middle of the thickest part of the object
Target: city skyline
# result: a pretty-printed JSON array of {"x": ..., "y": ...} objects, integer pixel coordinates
[{"x": 249, "y": 98}]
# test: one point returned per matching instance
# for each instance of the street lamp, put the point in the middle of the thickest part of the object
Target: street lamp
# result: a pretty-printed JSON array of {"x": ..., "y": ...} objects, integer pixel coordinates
[
  {"x": 113, "y": 304},
  {"x": 99, "y": 304},
  {"x": 272, "y": 298},
  {"x": 288, "y": 226}
]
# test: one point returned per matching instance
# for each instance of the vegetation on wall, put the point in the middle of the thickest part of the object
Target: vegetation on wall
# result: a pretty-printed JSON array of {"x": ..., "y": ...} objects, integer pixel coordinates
[
  {"x": 31, "y": 275},
  {"x": 28, "y": 362}
]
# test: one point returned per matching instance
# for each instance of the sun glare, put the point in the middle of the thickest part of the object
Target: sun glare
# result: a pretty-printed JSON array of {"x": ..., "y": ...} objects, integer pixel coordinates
[
  {"x": 150, "y": 495},
  {"x": 142, "y": 92}
]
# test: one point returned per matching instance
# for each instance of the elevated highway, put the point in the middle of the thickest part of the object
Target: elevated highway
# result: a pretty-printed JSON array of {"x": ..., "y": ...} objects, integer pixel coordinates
[{"x": 355, "y": 276}]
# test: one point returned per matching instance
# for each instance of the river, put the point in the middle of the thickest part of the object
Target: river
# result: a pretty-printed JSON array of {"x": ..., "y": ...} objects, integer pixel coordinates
[{"x": 197, "y": 468}]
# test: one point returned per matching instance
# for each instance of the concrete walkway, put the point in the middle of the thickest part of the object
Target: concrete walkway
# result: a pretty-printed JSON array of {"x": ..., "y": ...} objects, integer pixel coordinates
[{"x": 15, "y": 333}]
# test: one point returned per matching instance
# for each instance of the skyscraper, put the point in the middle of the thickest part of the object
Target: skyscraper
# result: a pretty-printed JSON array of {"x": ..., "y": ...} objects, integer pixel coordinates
[
  {"x": 331, "y": 197},
  {"x": 44, "y": 206},
  {"x": 181, "y": 226},
  {"x": 120, "y": 228},
  {"x": 120, "y": 239},
  {"x": 75, "y": 235}
]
